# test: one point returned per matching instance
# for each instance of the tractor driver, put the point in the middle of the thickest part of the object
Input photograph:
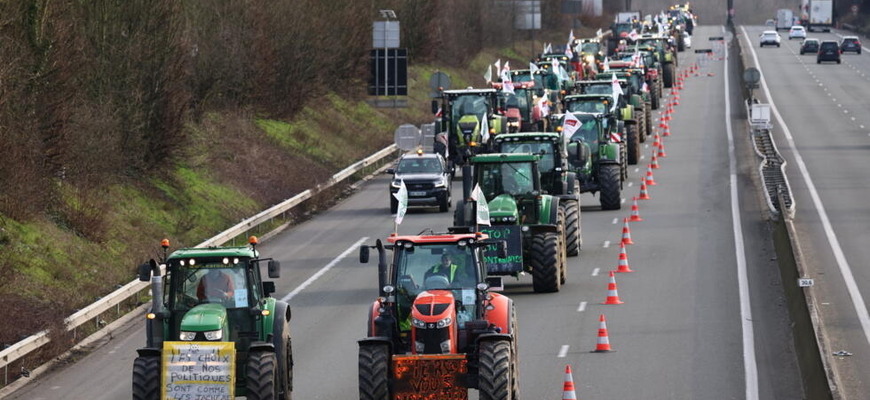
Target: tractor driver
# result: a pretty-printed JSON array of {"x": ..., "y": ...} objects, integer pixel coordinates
[
  {"x": 454, "y": 273},
  {"x": 215, "y": 284}
]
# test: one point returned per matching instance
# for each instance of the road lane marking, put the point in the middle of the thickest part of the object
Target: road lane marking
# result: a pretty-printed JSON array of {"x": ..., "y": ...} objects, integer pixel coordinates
[
  {"x": 606, "y": 244},
  {"x": 582, "y": 307},
  {"x": 615, "y": 221},
  {"x": 596, "y": 271},
  {"x": 843, "y": 264},
  {"x": 324, "y": 270},
  {"x": 750, "y": 365},
  {"x": 563, "y": 351}
]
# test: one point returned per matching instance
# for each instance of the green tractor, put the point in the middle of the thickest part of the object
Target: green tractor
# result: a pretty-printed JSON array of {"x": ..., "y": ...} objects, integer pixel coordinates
[
  {"x": 598, "y": 98},
  {"x": 644, "y": 59},
  {"x": 597, "y": 155},
  {"x": 556, "y": 176},
  {"x": 547, "y": 85},
  {"x": 631, "y": 81},
  {"x": 464, "y": 113},
  {"x": 519, "y": 105},
  {"x": 532, "y": 223},
  {"x": 214, "y": 297}
]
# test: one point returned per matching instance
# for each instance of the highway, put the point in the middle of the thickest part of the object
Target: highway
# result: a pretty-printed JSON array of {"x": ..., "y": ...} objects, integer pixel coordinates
[
  {"x": 704, "y": 314},
  {"x": 824, "y": 133}
]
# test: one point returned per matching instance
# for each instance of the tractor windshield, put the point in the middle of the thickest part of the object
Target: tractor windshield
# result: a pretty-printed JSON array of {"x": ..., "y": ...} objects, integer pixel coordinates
[
  {"x": 588, "y": 132},
  {"x": 468, "y": 105},
  {"x": 544, "y": 149},
  {"x": 206, "y": 282},
  {"x": 514, "y": 178},
  {"x": 590, "y": 48},
  {"x": 591, "y": 106},
  {"x": 437, "y": 266},
  {"x": 598, "y": 89}
]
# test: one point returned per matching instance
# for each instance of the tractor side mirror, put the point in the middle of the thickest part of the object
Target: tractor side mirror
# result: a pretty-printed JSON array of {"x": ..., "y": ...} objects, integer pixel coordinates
[
  {"x": 274, "y": 269},
  {"x": 268, "y": 288},
  {"x": 435, "y": 107},
  {"x": 390, "y": 171},
  {"x": 145, "y": 272},
  {"x": 495, "y": 283},
  {"x": 363, "y": 254}
]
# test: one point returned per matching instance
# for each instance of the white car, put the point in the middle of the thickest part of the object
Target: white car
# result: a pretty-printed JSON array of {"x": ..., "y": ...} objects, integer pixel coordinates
[
  {"x": 770, "y": 38},
  {"x": 797, "y": 32}
]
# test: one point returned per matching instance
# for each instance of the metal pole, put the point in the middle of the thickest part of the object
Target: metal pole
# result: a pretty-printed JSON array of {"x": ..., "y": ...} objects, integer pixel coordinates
[{"x": 386, "y": 62}]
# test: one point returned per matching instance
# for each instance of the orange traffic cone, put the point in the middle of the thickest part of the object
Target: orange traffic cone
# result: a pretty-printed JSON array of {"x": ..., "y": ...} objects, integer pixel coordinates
[
  {"x": 643, "y": 193},
  {"x": 656, "y": 140},
  {"x": 662, "y": 149},
  {"x": 568, "y": 388},
  {"x": 612, "y": 295},
  {"x": 677, "y": 99},
  {"x": 654, "y": 161},
  {"x": 663, "y": 123},
  {"x": 626, "y": 232},
  {"x": 650, "y": 181},
  {"x": 635, "y": 215},
  {"x": 667, "y": 131},
  {"x": 623, "y": 267},
  {"x": 603, "y": 341}
]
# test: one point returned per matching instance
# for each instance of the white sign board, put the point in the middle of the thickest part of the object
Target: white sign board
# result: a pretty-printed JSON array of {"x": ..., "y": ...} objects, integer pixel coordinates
[{"x": 198, "y": 370}]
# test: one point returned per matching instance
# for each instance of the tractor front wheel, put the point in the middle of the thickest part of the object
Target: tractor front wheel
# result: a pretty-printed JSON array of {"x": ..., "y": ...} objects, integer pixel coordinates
[
  {"x": 374, "y": 371},
  {"x": 545, "y": 260},
  {"x": 608, "y": 180},
  {"x": 146, "y": 378},
  {"x": 572, "y": 227},
  {"x": 261, "y": 376},
  {"x": 495, "y": 370}
]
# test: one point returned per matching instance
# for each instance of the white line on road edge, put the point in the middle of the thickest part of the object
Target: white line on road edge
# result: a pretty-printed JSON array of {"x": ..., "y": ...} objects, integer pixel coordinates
[
  {"x": 323, "y": 270},
  {"x": 750, "y": 366},
  {"x": 582, "y": 307},
  {"x": 845, "y": 269},
  {"x": 563, "y": 351}
]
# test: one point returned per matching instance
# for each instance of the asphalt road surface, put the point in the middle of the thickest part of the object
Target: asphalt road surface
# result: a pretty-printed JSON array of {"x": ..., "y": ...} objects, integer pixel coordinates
[{"x": 688, "y": 329}]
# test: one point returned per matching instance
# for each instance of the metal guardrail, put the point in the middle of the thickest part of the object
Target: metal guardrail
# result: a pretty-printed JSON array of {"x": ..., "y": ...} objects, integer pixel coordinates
[
  {"x": 772, "y": 167},
  {"x": 34, "y": 342}
]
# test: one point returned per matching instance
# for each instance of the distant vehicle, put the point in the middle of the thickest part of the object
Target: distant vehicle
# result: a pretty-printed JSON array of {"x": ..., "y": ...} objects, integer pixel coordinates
[
  {"x": 798, "y": 32},
  {"x": 810, "y": 45},
  {"x": 770, "y": 38},
  {"x": 771, "y": 23},
  {"x": 821, "y": 15},
  {"x": 850, "y": 43},
  {"x": 829, "y": 50},
  {"x": 427, "y": 179},
  {"x": 784, "y": 19}
]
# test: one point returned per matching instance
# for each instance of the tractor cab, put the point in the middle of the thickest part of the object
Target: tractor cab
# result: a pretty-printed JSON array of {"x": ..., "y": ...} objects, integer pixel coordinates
[{"x": 466, "y": 114}]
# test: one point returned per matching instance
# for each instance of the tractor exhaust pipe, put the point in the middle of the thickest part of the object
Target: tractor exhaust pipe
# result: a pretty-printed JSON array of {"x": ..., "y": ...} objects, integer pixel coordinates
[{"x": 467, "y": 181}]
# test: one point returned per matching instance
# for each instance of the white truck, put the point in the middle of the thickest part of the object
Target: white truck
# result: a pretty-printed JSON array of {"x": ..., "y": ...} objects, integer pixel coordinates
[
  {"x": 821, "y": 15},
  {"x": 784, "y": 19}
]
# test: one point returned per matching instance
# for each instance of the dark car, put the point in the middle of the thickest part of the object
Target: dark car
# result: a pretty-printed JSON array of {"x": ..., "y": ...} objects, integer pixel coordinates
[
  {"x": 427, "y": 179},
  {"x": 829, "y": 50},
  {"x": 850, "y": 43},
  {"x": 810, "y": 45}
]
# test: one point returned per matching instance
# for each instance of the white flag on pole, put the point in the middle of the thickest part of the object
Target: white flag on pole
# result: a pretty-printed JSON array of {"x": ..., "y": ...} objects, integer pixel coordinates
[
  {"x": 484, "y": 129},
  {"x": 498, "y": 67},
  {"x": 533, "y": 68},
  {"x": 570, "y": 125},
  {"x": 488, "y": 74},
  {"x": 482, "y": 206},
  {"x": 508, "y": 87},
  {"x": 402, "y": 197}
]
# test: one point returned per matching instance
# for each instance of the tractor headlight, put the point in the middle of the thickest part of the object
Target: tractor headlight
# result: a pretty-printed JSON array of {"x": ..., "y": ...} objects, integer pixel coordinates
[
  {"x": 187, "y": 336},
  {"x": 444, "y": 323},
  {"x": 445, "y": 346},
  {"x": 214, "y": 335},
  {"x": 441, "y": 183},
  {"x": 420, "y": 347},
  {"x": 418, "y": 323}
]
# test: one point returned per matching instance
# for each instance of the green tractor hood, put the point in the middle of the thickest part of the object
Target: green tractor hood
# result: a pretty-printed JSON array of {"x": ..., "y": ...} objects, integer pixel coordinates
[
  {"x": 503, "y": 208},
  {"x": 204, "y": 317},
  {"x": 468, "y": 126}
]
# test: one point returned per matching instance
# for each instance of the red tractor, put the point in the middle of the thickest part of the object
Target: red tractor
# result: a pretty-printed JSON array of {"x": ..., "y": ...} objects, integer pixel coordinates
[{"x": 437, "y": 328}]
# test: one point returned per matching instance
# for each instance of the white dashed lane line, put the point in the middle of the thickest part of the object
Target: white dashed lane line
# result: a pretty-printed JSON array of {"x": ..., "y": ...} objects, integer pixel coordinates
[
  {"x": 563, "y": 351},
  {"x": 582, "y": 307}
]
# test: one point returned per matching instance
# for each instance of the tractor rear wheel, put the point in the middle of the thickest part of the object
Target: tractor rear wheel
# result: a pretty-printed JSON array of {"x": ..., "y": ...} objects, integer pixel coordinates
[
  {"x": 495, "y": 370},
  {"x": 444, "y": 202},
  {"x": 146, "y": 378},
  {"x": 374, "y": 371},
  {"x": 515, "y": 359},
  {"x": 261, "y": 376},
  {"x": 545, "y": 262},
  {"x": 633, "y": 141},
  {"x": 573, "y": 237},
  {"x": 608, "y": 181},
  {"x": 655, "y": 95},
  {"x": 563, "y": 255}
]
